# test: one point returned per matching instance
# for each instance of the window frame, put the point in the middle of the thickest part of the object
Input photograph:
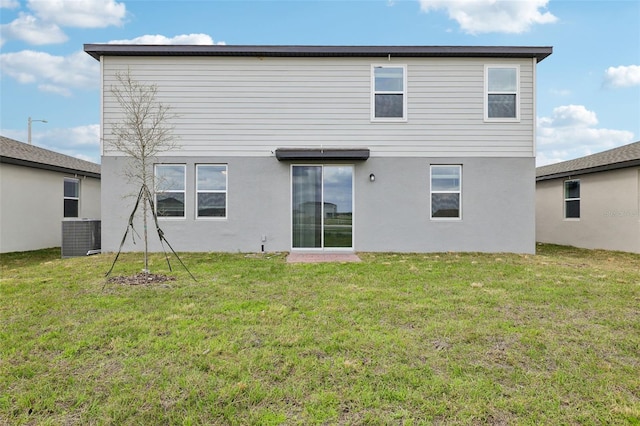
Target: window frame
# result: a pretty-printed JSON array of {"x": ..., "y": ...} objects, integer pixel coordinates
[
  {"x": 431, "y": 192},
  {"x": 571, "y": 199},
  {"x": 213, "y": 191},
  {"x": 375, "y": 92},
  {"x": 487, "y": 92},
  {"x": 170, "y": 191},
  {"x": 66, "y": 197}
]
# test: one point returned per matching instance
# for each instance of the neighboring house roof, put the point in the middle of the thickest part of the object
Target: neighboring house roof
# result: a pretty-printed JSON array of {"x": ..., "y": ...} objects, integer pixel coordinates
[
  {"x": 617, "y": 158},
  {"x": 22, "y": 154},
  {"x": 97, "y": 50}
]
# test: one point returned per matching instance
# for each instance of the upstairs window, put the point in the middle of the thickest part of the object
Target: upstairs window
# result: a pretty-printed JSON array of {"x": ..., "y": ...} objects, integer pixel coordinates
[
  {"x": 389, "y": 93},
  {"x": 502, "y": 98},
  {"x": 446, "y": 189},
  {"x": 170, "y": 190},
  {"x": 71, "y": 197},
  {"x": 572, "y": 199},
  {"x": 211, "y": 187}
]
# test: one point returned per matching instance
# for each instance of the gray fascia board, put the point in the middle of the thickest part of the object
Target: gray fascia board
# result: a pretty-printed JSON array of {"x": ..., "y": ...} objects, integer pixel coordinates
[
  {"x": 603, "y": 168},
  {"x": 50, "y": 167},
  {"x": 98, "y": 50}
]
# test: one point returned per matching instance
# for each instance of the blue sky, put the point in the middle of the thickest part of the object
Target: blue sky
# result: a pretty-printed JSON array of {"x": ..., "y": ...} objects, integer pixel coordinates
[{"x": 588, "y": 90}]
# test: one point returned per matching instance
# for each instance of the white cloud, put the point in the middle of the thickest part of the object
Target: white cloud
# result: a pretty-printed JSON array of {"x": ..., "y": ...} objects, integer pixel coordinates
[
  {"x": 54, "y": 73},
  {"x": 43, "y": 24},
  {"x": 622, "y": 76},
  {"x": 571, "y": 132},
  {"x": 488, "y": 16},
  {"x": 9, "y": 4},
  {"x": 576, "y": 116},
  {"x": 201, "y": 39},
  {"x": 80, "y": 13},
  {"x": 81, "y": 136},
  {"x": 32, "y": 30}
]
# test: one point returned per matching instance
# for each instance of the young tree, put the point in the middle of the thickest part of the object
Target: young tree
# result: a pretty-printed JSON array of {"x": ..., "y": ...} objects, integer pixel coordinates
[{"x": 143, "y": 131}]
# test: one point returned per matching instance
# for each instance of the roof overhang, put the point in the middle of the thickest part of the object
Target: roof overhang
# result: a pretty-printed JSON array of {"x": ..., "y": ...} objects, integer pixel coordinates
[
  {"x": 98, "y": 50},
  {"x": 50, "y": 167},
  {"x": 597, "y": 169},
  {"x": 321, "y": 154}
]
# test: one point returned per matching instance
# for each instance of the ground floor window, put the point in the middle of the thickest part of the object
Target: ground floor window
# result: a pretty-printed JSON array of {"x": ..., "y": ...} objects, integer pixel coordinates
[
  {"x": 170, "y": 185},
  {"x": 211, "y": 188},
  {"x": 71, "y": 197},
  {"x": 446, "y": 189},
  {"x": 572, "y": 199}
]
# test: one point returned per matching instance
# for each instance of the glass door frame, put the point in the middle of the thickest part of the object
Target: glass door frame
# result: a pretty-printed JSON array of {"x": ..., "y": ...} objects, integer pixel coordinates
[{"x": 322, "y": 247}]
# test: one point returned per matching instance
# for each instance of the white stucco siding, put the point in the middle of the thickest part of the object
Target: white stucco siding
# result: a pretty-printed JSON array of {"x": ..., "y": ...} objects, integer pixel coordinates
[
  {"x": 248, "y": 106},
  {"x": 390, "y": 214},
  {"x": 89, "y": 198}
]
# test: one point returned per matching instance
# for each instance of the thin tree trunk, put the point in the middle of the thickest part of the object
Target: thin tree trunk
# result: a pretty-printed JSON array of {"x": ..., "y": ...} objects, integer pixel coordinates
[
  {"x": 146, "y": 240},
  {"x": 145, "y": 204}
]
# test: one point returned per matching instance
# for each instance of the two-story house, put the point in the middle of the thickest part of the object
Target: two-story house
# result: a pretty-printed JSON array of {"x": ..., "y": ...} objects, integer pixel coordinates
[{"x": 334, "y": 148}]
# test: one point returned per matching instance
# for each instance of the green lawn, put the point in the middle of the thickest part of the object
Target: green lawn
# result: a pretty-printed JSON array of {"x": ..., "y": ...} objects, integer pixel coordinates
[{"x": 396, "y": 339}]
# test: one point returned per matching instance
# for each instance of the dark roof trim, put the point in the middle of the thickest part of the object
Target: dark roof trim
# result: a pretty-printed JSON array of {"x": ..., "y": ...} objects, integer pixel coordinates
[
  {"x": 603, "y": 168},
  {"x": 98, "y": 50},
  {"x": 50, "y": 167},
  {"x": 294, "y": 154},
  {"x": 19, "y": 153}
]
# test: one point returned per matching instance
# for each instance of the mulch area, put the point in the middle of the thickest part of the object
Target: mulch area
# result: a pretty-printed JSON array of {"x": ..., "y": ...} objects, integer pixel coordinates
[{"x": 141, "y": 279}]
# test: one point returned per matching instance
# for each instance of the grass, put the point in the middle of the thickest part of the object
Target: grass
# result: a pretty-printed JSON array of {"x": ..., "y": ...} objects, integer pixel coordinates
[{"x": 396, "y": 339}]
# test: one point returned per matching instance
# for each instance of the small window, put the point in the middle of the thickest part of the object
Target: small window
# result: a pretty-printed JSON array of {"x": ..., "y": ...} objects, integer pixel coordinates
[
  {"x": 211, "y": 188},
  {"x": 71, "y": 197},
  {"x": 389, "y": 97},
  {"x": 572, "y": 199},
  {"x": 170, "y": 190},
  {"x": 446, "y": 188},
  {"x": 502, "y": 96}
]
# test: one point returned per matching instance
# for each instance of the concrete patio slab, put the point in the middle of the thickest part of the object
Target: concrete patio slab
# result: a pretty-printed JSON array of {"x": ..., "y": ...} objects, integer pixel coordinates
[{"x": 322, "y": 257}]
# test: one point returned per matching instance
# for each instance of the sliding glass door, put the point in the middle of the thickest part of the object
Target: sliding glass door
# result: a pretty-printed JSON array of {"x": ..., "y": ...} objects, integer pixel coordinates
[
  {"x": 307, "y": 206},
  {"x": 322, "y": 207}
]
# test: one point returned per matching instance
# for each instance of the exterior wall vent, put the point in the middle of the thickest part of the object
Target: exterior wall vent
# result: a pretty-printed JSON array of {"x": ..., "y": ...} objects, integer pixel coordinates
[{"x": 80, "y": 237}]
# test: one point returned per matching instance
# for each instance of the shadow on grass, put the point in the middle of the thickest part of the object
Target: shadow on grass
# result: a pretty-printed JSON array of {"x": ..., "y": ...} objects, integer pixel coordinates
[{"x": 27, "y": 258}]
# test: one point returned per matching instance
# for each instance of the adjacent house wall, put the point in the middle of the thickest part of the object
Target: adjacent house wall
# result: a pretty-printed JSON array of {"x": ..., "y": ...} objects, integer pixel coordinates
[
  {"x": 32, "y": 206},
  {"x": 609, "y": 211}
]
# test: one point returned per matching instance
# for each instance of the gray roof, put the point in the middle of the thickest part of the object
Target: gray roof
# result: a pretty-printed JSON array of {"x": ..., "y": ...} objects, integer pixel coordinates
[
  {"x": 22, "y": 154},
  {"x": 97, "y": 50},
  {"x": 617, "y": 158}
]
